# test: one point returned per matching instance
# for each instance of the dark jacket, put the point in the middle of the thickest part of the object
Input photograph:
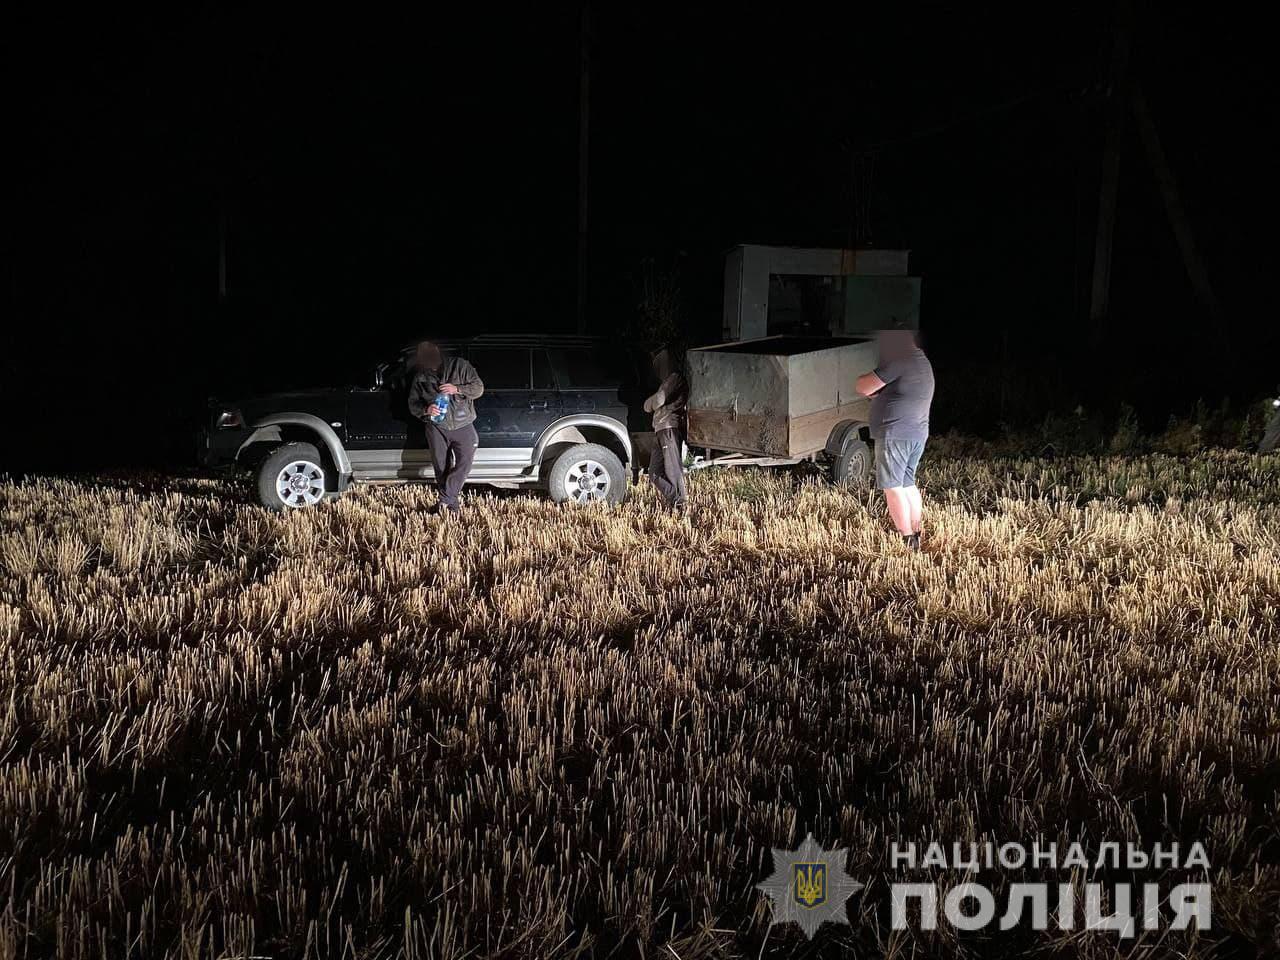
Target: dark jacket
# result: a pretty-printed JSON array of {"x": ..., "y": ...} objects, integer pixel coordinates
[
  {"x": 667, "y": 405},
  {"x": 462, "y": 408}
]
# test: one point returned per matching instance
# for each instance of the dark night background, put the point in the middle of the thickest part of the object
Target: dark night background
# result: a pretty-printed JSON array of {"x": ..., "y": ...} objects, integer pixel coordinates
[{"x": 382, "y": 179}]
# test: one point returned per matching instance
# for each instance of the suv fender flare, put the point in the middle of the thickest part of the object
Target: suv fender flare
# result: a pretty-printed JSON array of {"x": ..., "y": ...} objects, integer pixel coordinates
[
  {"x": 565, "y": 424},
  {"x": 268, "y": 428}
]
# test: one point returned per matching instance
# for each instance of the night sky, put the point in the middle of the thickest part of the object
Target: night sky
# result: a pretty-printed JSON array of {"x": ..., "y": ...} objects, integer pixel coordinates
[{"x": 385, "y": 179}]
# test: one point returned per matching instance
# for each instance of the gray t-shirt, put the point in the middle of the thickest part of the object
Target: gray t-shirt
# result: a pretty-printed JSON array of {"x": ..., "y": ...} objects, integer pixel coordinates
[{"x": 900, "y": 411}]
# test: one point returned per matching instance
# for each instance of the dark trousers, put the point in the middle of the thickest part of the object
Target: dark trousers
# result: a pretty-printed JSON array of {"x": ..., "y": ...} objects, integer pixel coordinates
[
  {"x": 452, "y": 453},
  {"x": 665, "y": 469}
]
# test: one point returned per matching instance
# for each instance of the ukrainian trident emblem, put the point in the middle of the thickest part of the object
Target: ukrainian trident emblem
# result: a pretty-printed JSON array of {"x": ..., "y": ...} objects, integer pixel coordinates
[{"x": 810, "y": 884}]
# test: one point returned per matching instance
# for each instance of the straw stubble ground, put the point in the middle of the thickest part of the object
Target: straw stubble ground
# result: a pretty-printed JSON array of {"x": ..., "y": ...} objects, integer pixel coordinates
[{"x": 538, "y": 732}]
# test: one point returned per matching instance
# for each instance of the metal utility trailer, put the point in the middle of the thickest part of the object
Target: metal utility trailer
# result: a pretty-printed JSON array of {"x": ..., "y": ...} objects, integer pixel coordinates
[{"x": 779, "y": 401}]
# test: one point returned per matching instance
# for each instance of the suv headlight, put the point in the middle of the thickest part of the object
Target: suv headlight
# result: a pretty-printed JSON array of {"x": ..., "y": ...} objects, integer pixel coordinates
[{"x": 229, "y": 419}]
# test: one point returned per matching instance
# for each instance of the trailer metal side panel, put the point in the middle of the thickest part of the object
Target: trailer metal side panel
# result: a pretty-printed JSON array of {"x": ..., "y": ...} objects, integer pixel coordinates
[
  {"x": 722, "y": 410},
  {"x": 778, "y": 396}
]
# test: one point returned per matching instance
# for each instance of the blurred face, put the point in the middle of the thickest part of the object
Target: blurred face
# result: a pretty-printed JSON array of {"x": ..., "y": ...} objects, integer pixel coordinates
[
  {"x": 662, "y": 363},
  {"x": 429, "y": 356}
]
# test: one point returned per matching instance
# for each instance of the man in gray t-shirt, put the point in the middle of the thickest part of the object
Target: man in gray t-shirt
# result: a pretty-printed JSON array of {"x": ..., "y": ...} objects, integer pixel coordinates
[{"x": 901, "y": 391}]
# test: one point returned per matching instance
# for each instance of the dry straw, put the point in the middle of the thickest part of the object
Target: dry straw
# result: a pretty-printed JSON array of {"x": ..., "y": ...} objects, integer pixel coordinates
[{"x": 363, "y": 731}]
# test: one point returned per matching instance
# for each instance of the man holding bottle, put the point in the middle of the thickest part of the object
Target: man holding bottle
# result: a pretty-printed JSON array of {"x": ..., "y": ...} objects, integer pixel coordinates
[{"x": 443, "y": 395}]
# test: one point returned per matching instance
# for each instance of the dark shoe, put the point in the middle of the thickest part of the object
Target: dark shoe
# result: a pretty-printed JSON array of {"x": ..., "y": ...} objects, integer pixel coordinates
[{"x": 912, "y": 541}]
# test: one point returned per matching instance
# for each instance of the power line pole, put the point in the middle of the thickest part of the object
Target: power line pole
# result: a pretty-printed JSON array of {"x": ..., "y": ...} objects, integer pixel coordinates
[
  {"x": 584, "y": 120},
  {"x": 1117, "y": 94},
  {"x": 222, "y": 254},
  {"x": 1173, "y": 208}
]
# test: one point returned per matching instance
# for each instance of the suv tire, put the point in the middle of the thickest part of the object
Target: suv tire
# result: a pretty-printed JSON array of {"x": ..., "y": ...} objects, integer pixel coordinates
[
  {"x": 292, "y": 477},
  {"x": 585, "y": 473}
]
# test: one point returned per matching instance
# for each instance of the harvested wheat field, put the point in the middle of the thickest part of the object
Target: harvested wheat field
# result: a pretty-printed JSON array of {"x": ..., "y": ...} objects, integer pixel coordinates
[{"x": 363, "y": 731}]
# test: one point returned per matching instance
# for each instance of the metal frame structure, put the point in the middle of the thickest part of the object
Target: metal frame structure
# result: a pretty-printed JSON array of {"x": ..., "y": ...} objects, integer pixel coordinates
[{"x": 748, "y": 267}]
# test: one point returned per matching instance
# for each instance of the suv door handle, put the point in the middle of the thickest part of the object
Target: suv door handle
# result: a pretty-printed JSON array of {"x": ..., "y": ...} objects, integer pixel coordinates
[{"x": 537, "y": 404}]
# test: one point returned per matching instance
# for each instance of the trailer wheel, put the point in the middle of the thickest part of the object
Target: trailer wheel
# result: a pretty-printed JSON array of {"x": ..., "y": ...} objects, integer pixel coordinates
[{"x": 851, "y": 467}]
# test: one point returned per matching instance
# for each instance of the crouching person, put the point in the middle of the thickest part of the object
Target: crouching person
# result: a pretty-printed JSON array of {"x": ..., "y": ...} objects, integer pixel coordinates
[
  {"x": 901, "y": 391},
  {"x": 451, "y": 432},
  {"x": 666, "y": 466}
]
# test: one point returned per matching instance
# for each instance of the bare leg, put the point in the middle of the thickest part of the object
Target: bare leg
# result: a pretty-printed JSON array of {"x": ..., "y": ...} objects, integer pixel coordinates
[
  {"x": 899, "y": 503},
  {"x": 917, "y": 507}
]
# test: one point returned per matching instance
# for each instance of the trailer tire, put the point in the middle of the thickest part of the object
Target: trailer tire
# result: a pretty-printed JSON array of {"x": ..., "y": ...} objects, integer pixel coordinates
[{"x": 852, "y": 466}]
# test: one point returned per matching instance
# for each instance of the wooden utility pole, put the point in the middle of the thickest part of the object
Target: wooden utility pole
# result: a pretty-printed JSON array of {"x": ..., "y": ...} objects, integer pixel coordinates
[
  {"x": 1117, "y": 83},
  {"x": 1125, "y": 95},
  {"x": 1173, "y": 203},
  {"x": 222, "y": 255},
  {"x": 584, "y": 124}
]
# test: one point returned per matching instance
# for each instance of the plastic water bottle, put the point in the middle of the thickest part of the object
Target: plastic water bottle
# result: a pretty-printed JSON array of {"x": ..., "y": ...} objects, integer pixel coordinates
[{"x": 442, "y": 402}]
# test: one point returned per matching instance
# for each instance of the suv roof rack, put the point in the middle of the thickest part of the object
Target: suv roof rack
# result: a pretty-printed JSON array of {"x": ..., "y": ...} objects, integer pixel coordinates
[{"x": 520, "y": 340}]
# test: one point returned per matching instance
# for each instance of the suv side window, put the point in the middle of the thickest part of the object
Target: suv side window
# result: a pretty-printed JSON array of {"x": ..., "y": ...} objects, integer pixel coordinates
[
  {"x": 543, "y": 376},
  {"x": 396, "y": 375},
  {"x": 501, "y": 368},
  {"x": 583, "y": 368}
]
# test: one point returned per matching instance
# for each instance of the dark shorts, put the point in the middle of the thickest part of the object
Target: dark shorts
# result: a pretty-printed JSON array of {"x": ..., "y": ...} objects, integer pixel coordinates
[{"x": 896, "y": 462}]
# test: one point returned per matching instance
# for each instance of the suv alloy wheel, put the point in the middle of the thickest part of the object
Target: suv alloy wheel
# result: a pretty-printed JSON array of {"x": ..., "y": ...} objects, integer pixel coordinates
[
  {"x": 292, "y": 477},
  {"x": 587, "y": 473}
]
